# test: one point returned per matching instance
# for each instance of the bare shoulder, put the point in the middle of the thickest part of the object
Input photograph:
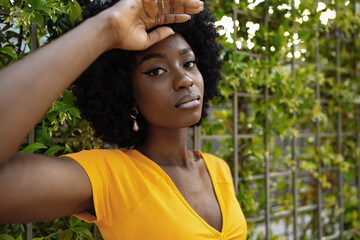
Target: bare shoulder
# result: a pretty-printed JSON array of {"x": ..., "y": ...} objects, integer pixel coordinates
[{"x": 40, "y": 188}]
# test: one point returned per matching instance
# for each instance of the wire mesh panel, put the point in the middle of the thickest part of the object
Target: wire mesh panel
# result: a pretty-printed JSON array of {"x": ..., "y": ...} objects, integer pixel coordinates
[{"x": 292, "y": 133}]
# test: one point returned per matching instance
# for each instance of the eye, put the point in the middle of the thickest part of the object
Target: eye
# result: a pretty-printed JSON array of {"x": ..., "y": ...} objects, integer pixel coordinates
[
  {"x": 191, "y": 64},
  {"x": 155, "y": 72}
]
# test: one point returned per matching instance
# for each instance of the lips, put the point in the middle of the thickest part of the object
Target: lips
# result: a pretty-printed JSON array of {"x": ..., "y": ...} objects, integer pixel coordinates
[{"x": 188, "y": 101}]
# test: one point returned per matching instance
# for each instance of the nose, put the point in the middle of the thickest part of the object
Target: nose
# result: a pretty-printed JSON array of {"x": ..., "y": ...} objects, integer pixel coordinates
[{"x": 181, "y": 80}]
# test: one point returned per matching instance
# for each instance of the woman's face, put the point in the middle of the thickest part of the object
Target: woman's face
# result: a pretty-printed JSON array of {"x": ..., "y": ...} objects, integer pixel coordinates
[{"x": 167, "y": 85}]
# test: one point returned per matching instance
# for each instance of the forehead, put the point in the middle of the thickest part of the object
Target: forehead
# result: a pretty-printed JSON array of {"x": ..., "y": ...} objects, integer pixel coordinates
[{"x": 174, "y": 43}]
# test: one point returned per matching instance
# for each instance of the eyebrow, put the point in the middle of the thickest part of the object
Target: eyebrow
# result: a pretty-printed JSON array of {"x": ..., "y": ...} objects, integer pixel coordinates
[
  {"x": 186, "y": 50},
  {"x": 159, "y": 55},
  {"x": 152, "y": 55}
]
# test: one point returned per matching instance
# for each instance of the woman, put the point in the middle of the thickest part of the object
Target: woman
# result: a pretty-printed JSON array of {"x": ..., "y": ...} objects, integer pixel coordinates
[{"x": 143, "y": 99}]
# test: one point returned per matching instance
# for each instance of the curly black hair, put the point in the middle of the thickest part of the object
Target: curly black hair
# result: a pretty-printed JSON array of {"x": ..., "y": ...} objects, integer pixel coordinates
[{"x": 103, "y": 92}]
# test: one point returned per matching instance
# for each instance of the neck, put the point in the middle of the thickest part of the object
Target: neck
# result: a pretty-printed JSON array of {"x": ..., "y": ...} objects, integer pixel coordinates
[{"x": 167, "y": 146}]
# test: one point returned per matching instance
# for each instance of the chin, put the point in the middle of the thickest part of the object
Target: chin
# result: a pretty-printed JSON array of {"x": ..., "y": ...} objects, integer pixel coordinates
[
  {"x": 194, "y": 120},
  {"x": 178, "y": 120},
  {"x": 188, "y": 121}
]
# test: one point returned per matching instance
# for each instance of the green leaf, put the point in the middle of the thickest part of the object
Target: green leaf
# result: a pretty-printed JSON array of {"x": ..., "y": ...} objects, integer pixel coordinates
[
  {"x": 8, "y": 51},
  {"x": 84, "y": 231},
  {"x": 33, "y": 147},
  {"x": 59, "y": 106},
  {"x": 42, "y": 136},
  {"x": 54, "y": 149},
  {"x": 5, "y": 3},
  {"x": 51, "y": 116},
  {"x": 74, "y": 221},
  {"x": 53, "y": 17},
  {"x": 19, "y": 237},
  {"x": 226, "y": 91},
  {"x": 66, "y": 235},
  {"x": 66, "y": 135},
  {"x": 74, "y": 112},
  {"x": 6, "y": 237},
  {"x": 65, "y": 24},
  {"x": 38, "y": 19},
  {"x": 67, "y": 96},
  {"x": 75, "y": 11}
]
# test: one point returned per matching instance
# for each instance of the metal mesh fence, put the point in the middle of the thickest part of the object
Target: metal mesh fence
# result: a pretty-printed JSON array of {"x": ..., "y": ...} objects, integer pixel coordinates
[{"x": 304, "y": 210}]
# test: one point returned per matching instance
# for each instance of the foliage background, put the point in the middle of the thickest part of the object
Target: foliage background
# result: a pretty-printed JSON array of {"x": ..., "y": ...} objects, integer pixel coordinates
[{"x": 291, "y": 111}]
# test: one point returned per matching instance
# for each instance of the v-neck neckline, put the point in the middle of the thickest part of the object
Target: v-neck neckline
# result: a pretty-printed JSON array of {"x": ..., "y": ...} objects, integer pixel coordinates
[{"x": 178, "y": 193}]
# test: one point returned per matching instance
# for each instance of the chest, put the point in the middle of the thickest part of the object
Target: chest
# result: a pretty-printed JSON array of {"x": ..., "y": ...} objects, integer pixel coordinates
[
  {"x": 197, "y": 188},
  {"x": 168, "y": 203}
]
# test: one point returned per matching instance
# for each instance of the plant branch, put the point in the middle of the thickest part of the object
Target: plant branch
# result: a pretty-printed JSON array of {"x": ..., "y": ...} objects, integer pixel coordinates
[{"x": 20, "y": 39}]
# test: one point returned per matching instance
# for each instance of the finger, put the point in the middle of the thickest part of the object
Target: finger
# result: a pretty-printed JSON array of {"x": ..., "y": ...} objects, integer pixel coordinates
[
  {"x": 158, "y": 34},
  {"x": 181, "y": 10},
  {"x": 188, "y": 7},
  {"x": 179, "y": 7},
  {"x": 172, "y": 18}
]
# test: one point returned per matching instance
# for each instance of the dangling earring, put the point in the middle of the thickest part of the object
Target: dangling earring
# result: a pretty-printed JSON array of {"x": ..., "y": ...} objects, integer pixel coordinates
[{"x": 135, "y": 125}]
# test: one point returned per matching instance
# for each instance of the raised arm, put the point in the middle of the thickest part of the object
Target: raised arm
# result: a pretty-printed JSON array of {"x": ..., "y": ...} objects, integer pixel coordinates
[{"x": 29, "y": 87}]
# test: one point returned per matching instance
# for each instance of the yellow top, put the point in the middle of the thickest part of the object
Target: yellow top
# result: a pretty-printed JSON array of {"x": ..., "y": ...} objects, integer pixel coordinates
[{"x": 135, "y": 199}]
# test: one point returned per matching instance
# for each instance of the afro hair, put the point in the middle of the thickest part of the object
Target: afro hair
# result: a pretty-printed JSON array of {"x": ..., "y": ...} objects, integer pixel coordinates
[{"x": 103, "y": 92}]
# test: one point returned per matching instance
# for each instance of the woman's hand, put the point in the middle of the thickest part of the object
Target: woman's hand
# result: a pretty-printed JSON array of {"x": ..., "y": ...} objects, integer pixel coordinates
[{"x": 129, "y": 20}]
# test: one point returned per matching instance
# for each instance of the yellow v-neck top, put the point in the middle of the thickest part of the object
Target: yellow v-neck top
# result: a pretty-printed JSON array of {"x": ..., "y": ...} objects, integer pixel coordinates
[{"x": 135, "y": 199}]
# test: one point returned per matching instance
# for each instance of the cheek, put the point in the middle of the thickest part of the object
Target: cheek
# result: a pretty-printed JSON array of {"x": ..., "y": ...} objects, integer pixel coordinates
[
  {"x": 202, "y": 85},
  {"x": 200, "y": 82},
  {"x": 149, "y": 92},
  {"x": 139, "y": 88},
  {"x": 150, "y": 98},
  {"x": 141, "y": 97}
]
